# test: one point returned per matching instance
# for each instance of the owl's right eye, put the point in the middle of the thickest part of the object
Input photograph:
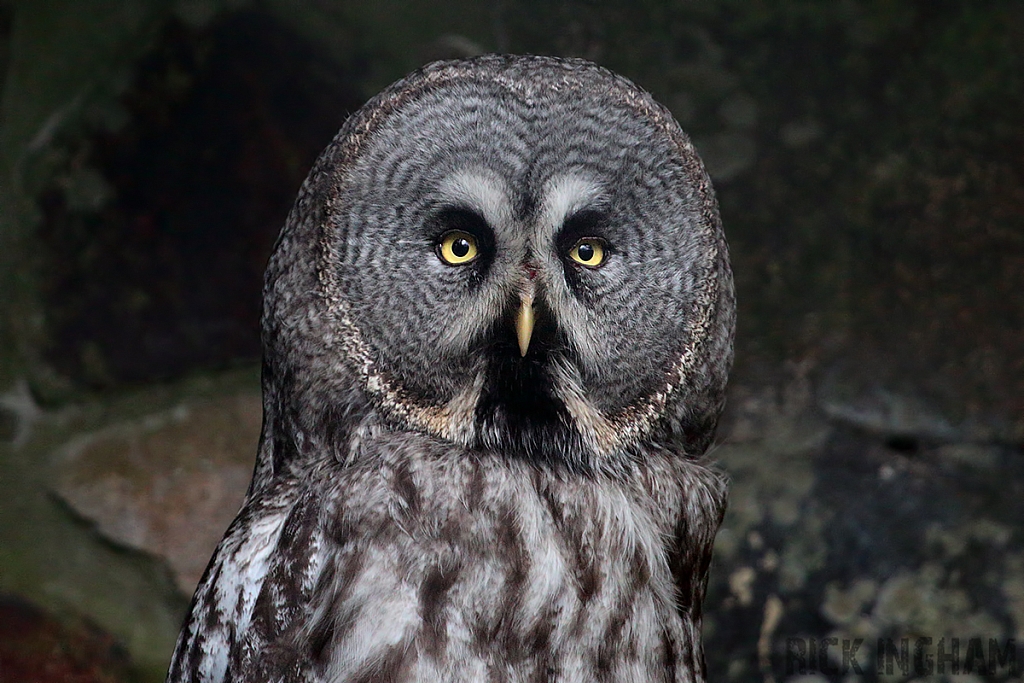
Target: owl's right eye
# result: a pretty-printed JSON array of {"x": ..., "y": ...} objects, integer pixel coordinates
[{"x": 457, "y": 248}]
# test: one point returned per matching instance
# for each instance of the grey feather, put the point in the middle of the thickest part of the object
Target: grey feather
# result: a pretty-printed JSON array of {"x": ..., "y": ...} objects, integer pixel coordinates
[{"x": 428, "y": 505}]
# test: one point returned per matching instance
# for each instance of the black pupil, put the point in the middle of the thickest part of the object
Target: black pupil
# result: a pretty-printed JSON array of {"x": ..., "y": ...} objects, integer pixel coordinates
[
  {"x": 585, "y": 251},
  {"x": 460, "y": 247}
]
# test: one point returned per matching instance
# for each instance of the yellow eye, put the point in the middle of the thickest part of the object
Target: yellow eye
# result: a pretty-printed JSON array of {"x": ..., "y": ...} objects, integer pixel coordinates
[
  {"x": 457, "y": 247},
  {"x": 589, "y": 251}
]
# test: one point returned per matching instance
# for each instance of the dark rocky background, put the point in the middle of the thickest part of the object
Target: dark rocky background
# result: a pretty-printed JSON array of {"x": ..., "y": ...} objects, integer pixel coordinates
[{"x": 869, "y": 159}]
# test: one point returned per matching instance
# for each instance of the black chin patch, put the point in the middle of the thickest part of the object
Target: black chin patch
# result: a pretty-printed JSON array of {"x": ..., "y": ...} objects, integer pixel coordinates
[{"x": 518, "y": 413}]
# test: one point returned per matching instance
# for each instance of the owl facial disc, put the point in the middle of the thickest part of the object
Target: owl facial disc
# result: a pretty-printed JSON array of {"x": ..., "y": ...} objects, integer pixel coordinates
[{"x": 548, "y": 248}]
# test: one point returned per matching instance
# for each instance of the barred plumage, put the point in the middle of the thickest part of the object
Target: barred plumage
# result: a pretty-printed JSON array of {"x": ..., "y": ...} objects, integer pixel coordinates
[{"x": 433, "y": 501}]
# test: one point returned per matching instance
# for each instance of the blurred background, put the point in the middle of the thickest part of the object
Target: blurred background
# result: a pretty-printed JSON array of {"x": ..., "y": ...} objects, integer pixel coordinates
[{"x": 869, "y": 161}]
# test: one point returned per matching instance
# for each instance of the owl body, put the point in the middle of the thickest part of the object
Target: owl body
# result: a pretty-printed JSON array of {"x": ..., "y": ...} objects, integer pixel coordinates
[{"x": 497, "y": 328}]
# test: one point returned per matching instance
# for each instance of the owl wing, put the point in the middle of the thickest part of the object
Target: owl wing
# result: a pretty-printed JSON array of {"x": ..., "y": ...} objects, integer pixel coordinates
[
  {"x": 256, "y": 590},
  {"x": 700, "y": 512}
]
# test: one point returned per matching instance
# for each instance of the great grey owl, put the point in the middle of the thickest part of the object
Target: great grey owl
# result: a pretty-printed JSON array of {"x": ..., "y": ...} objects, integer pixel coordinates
[{"x": 497, "y": 327}]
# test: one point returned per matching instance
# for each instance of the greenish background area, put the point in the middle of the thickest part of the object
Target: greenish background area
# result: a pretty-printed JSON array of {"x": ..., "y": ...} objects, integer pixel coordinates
[{"x": 869, "y": 162}]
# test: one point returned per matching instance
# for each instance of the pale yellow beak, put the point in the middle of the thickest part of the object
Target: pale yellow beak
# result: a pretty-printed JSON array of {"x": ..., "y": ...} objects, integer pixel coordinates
[{"x": 524, "y": 321}]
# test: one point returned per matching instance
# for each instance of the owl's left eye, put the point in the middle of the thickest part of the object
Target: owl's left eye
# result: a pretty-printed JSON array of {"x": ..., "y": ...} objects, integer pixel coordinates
[
  {"x": 589, "y": 252},
  {"x": 457, "y": 248}
]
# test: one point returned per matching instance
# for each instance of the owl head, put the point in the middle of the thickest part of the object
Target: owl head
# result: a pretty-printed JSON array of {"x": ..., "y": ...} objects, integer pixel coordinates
[{"x": 519, "y": 255}]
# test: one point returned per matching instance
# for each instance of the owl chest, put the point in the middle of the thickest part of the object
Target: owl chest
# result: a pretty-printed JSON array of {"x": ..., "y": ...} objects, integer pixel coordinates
[{"x": 494, "y": 577}]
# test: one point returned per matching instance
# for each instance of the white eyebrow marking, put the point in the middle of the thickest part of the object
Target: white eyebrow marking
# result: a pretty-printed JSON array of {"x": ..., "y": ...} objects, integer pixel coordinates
[
  {"x": 480, "y": 190},
  {"x": 565, "y": 195}
]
